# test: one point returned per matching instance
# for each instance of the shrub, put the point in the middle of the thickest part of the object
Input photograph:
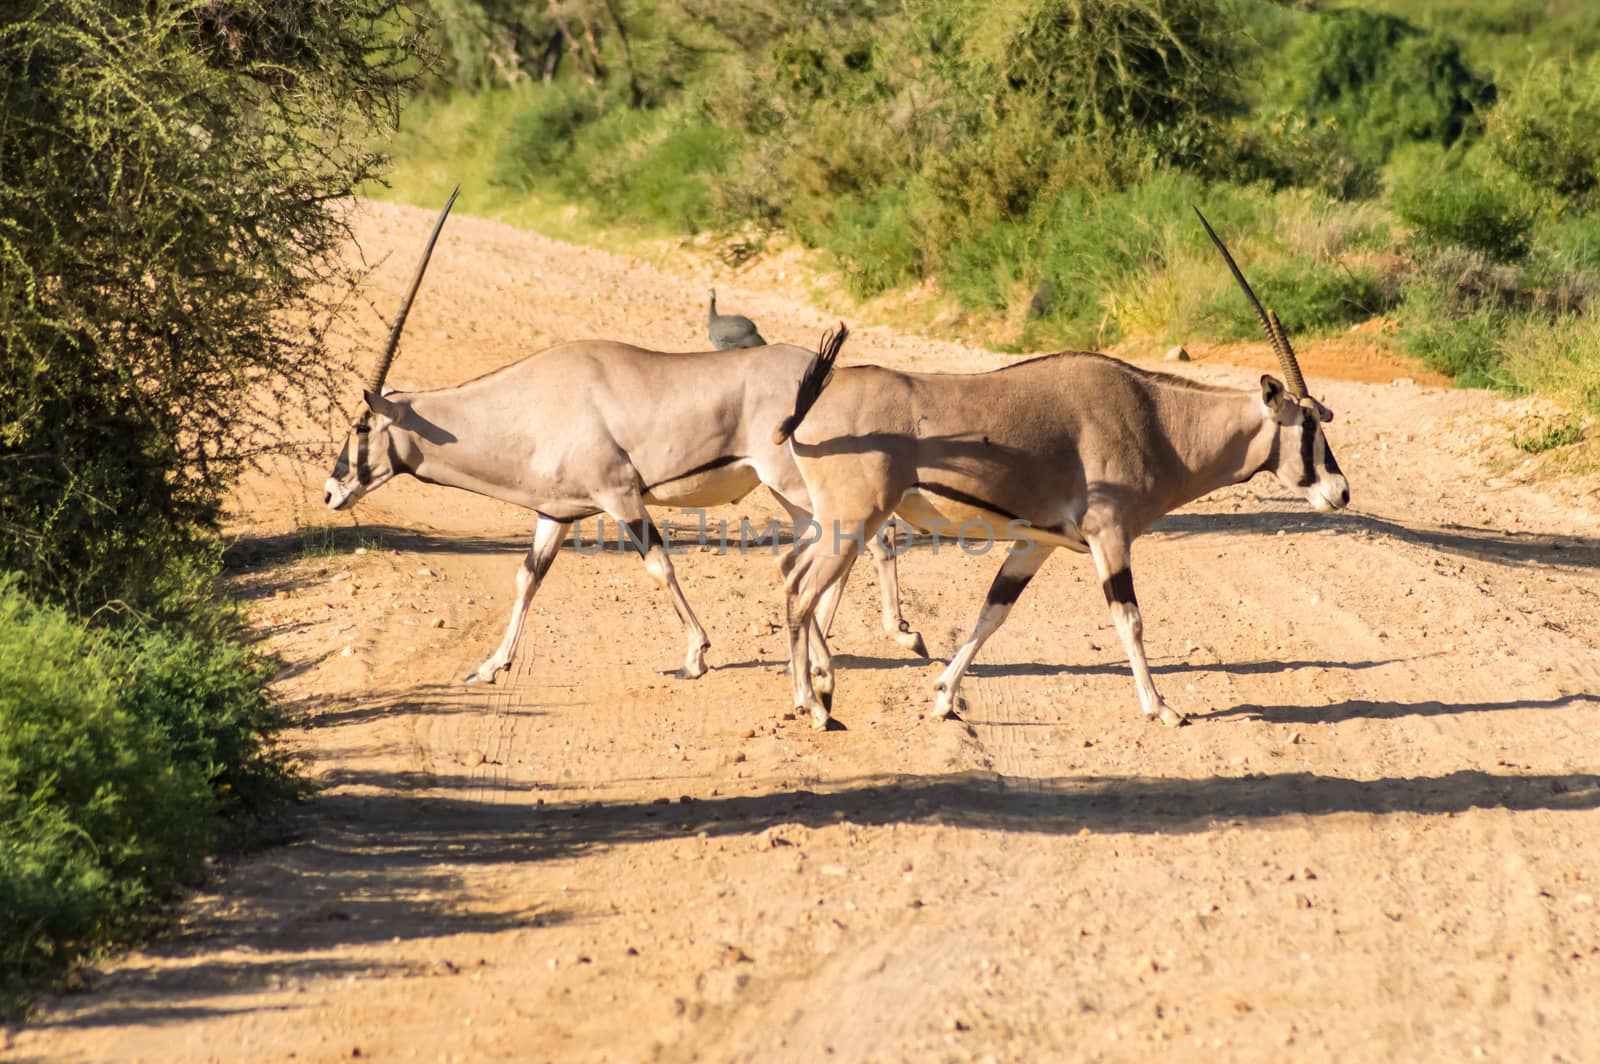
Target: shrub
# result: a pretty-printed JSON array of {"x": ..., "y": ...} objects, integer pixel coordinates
[
  {"x": 1548, "y": 130},
  {"x": 97, "y": 817},
  {"x": 1384, "y": 81},
  {"x": 168, "y": 214},
  {"x": 1308, "y": 297},
  {"x": 1464, "y": 343},
  {"x": 541, "y": 134},
  {"x": 1288, "y": 149},
  {"x": 207, "y": 697},
  {"x": 1120, "y": 65},
  {"x": 1449, "y": 202},
  {"x": 877, "y": 242}
]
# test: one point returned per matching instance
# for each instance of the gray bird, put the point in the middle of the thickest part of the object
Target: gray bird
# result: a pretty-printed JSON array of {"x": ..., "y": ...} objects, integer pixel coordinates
[{"x": 729, "y": 331}]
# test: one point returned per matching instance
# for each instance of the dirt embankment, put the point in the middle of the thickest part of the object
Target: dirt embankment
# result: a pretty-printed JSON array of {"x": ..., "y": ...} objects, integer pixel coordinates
[{"x": 1377, "y": 840}]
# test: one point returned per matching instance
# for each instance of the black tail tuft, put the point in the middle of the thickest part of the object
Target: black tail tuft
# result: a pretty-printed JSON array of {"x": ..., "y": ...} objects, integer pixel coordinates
[{"x": 811, "y": 385}]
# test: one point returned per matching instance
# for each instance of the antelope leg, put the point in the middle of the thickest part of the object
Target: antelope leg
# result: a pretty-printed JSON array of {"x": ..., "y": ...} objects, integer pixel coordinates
[
  {"x": 882, "y": 549},
  {"x": 819, "y": 566},
  {"x": 1015, "y": 572},
  {"x": 1112, "y": 563},
  {"x": 646, "y": 539},
  {"x": 547, "y": 537}
]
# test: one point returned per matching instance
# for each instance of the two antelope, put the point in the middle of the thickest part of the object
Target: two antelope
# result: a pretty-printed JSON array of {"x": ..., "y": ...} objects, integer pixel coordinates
[
  {"x": 592, "y": 428},
  {"x": 1069, "y": 450}
]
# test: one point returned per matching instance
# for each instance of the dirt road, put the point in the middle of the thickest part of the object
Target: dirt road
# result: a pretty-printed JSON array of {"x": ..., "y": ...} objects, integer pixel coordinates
[{"x": 1377, "y": 841}]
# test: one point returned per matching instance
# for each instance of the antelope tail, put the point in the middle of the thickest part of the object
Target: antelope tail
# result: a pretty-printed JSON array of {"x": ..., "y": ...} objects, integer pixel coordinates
[{"x": 816, "y": 378}]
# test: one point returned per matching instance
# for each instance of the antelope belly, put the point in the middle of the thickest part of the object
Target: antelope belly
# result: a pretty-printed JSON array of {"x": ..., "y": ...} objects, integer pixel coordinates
[
  {"x": 928, "y": 512},
  {"x": 714, "y": 487}
]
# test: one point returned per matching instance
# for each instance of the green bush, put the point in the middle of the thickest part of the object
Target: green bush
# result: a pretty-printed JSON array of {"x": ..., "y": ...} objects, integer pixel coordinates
[
  {"x": 1548, "y": 130},
  {"x": 1288, "y": 149},
  {"x": 1449, "y": 202},
  {"x": 1089, "y": 245},
  {"x": 98, "y": 818},
  {"x": 877, "y": 242},
  {"x": 1384, "y": 81},
  {"x": 207, "y": 696},
  {"x": 540, "y": 136},
  {"x": 169, "y": 219},
  {"x": 1462, "y": 342},
  {"x": 1145, "y": 66},
  {"x": 1309, "y": 298}
]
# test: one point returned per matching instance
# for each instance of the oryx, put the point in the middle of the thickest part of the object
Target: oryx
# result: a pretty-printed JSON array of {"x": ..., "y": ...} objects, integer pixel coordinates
[
  {"x": 596, "y": 427},
  {"x": 1070, "y": 450}
]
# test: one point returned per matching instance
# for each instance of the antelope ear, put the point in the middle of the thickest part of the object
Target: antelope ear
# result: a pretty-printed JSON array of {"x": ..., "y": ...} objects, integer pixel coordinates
[
  {"x": 380, "y": 405},
  {"x": 1271, "y": 391},
  {"x": 1323, "y": 413}
]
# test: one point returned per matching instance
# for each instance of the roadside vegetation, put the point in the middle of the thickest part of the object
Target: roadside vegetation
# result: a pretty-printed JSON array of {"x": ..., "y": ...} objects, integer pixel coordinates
[
  {"x": 1035, "y": 160},
  {"x": 167, "y": 178}
]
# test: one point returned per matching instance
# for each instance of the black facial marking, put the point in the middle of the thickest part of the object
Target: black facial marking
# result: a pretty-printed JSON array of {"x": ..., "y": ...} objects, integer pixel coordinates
[
  {"x": 962, "y": 497},
  {"x": 1308, "y": 443},
  {"x": 1119, "y": 588},
  {"x": 642, "y": 535},
  {"x": 704, "y": 467},
  {"x": 1331, "y": 462},
  {"x": 1006, "y": 588}
]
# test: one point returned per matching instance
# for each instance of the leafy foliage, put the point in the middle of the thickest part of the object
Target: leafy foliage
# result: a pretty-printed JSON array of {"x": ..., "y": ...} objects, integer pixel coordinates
[
  {"x": 1036, "y": 159},
  {"x": 1451, "y": 202},
  {"x": 170, "y": 170},
  {"x": 118, "y": 752},
  {"x": 1549, "y": 131},
  {"x": 96, "y": 817},
  {"x": 1307, "y": 298},
  {"x": 1385, "y": 80}
]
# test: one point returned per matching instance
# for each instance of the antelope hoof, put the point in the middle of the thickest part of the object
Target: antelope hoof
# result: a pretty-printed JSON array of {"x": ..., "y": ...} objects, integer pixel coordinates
[
  {"x": 912, "y": 641},
  {"x": 484, "y": 673},
  {"x": 944, "y": 706},
  {"x": 822, "y": 720},
  {"x": 1170, "y": 717},
  {"x": 686, "y": 673}
]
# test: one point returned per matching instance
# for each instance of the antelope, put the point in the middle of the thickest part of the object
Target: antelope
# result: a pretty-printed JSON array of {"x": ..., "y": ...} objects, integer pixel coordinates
[
  {"x": 1073, "y": 450},
  {"x": 590, "y": 428}
]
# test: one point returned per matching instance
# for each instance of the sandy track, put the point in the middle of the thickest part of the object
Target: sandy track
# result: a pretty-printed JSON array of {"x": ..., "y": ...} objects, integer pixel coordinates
[{"x": 1377, "y": 841}]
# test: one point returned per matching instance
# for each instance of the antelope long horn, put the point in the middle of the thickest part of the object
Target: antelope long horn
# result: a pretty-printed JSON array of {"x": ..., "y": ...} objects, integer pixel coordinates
[
  {"x": 385, "y": 360},
  {"x": 1269, "y": 321}
]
